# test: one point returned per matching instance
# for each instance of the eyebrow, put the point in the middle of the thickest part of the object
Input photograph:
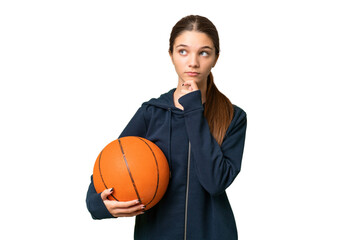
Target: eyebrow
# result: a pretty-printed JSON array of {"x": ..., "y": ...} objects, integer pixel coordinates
[{"x": 183, "y": 45}]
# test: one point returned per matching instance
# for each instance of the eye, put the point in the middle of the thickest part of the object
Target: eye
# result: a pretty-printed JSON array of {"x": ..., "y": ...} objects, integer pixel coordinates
[
  {"x": 205, "y": 54},
  {"x": 182, "y": 52}
]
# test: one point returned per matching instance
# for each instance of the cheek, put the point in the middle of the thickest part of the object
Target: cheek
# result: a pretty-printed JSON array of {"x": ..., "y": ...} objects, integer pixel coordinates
[
  {"x": 208, "y": 65},
  {"x": 179, "y": 64}
]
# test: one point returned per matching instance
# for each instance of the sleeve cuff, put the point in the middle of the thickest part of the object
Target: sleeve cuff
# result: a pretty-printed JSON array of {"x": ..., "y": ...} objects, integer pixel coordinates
[
  {"x": 99, "y": 210},
  {"x": 191, "y": 101}
]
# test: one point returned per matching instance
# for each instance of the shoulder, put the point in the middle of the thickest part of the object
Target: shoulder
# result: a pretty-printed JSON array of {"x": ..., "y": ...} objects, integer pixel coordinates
[
  {"x": 239, "y": 120},
  {"x": 239, "y": 113}
]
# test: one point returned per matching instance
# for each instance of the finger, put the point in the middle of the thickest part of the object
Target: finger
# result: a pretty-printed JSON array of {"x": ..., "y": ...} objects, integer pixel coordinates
[
  {"x": 187, "y": 87},
  {"x": 130, "y": 210},
  {"x": 186, "y": 83},
  {"x": 106, "y": 193},
  {"x": 127, "y": 204},
  {"x": 129, "y": 214},
  {"x": 191, "y": 85}
]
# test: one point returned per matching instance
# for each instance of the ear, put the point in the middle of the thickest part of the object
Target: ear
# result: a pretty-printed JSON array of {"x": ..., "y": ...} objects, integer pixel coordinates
[{"x": 171, "y": 56}]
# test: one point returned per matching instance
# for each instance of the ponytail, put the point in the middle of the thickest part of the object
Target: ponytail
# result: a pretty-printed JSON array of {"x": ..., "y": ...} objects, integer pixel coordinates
[{"x": 218, "y": 111}]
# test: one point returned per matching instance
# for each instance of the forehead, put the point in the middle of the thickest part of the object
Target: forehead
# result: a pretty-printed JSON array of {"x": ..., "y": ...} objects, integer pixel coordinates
[{"x": 193, "y": 39}]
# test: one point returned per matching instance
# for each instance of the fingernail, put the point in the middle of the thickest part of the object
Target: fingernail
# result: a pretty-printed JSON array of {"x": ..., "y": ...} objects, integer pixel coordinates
[{"x": 111, "y": 189}]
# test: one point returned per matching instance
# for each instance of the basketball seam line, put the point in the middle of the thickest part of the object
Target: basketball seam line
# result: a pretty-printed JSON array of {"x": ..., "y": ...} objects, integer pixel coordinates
[
  {"x": 157, "y": 171},
  {"x": 128, "y": 168},
  {"x": 102, "y": 179}
]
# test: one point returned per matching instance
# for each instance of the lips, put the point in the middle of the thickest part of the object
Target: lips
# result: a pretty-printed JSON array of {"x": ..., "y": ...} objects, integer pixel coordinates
[{"x": 192, "y": 74}]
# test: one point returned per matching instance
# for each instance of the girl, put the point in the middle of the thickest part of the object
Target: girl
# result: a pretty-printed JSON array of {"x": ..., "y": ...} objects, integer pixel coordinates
[{"x": 202, "y": 135}]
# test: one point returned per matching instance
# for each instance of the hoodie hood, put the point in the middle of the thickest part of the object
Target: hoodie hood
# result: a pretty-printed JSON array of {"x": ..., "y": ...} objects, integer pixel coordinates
[{"x": 165, "y": 101}]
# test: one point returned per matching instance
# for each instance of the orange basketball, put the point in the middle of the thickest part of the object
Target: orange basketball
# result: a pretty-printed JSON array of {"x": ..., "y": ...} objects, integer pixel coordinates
[{"x": 135, "y": 167}]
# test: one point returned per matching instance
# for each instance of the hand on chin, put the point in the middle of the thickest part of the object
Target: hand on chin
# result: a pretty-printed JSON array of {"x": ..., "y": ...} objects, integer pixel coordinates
[{"x": 188, "y": 86}]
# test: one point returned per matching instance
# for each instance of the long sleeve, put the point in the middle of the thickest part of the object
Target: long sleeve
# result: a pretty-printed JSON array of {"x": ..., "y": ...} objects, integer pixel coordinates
[
  {"x": 216, "y": 167},
  {"x": 136, "y": 126},
  {"x": 94, "y": 203}
]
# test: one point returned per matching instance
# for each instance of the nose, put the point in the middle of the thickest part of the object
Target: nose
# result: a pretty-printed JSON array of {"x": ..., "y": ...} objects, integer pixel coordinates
[{"x": 193, "y": 61}]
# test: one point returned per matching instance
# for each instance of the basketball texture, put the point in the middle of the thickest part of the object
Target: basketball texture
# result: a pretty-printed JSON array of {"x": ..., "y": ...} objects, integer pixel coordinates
[{"x": 135, "y": 167}]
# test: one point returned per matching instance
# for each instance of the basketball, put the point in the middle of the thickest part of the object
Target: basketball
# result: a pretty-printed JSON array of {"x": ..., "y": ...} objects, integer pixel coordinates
[{"x": 135, "y": 168}]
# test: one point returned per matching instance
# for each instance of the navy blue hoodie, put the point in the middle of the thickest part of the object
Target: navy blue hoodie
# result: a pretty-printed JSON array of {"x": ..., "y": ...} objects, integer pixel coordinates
[{"x": 195, "y": 205}]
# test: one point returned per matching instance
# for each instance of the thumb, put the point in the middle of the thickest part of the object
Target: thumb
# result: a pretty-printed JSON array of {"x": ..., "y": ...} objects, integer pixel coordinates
[{"x": 106, "y": 193}]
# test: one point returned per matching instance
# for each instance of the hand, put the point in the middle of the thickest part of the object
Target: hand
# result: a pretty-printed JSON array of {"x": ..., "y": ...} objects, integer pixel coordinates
[
  {"x": 121, "y": 209},
  {"x": 188, "y": 86}
]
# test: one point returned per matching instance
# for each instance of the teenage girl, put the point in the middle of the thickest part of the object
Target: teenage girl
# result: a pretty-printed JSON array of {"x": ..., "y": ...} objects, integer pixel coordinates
[{"x": 202, "y": 135}]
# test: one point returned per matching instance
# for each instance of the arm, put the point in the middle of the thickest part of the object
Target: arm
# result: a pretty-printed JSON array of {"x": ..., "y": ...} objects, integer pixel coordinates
[
  {"x": 100, "y": 207},
  {"x": 97, "y": 204},
  {"x": 136, "y": 126},
  {"x": 216, "y": 166}
]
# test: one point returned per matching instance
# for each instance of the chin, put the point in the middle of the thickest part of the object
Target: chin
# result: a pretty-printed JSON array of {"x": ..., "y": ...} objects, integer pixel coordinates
[{"x": 197, "y": 79}]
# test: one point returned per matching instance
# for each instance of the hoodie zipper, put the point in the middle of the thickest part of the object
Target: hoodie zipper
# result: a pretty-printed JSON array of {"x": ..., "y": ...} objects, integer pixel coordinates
[{"x": 187, "y": 191}]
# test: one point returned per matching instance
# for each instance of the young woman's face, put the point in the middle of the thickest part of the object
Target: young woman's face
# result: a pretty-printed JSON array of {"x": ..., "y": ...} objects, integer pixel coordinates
[{"x": 193, "y": 56}]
